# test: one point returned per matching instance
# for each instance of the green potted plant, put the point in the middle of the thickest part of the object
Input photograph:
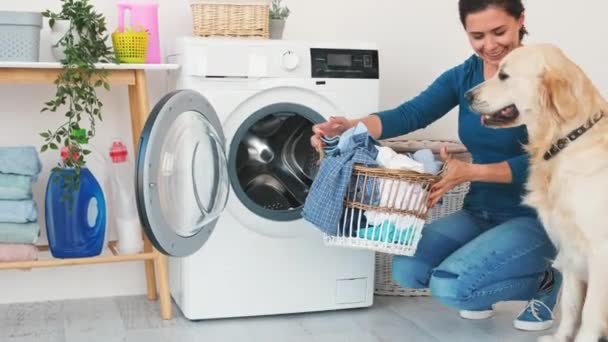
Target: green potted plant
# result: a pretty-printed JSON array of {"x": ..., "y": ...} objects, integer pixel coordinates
[
  {"x": 83, "y": 44},
  {"x": 278, "y": 14}
]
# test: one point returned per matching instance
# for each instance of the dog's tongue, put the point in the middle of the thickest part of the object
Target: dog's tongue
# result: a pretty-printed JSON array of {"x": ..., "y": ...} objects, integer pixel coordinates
[{"x": 483, "y": 119}]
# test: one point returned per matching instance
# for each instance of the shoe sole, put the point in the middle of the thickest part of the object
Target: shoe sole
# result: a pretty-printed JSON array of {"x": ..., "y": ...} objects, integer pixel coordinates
[
  {"x": 532, "y": 326},
  {"x": 476, "y": 315}
]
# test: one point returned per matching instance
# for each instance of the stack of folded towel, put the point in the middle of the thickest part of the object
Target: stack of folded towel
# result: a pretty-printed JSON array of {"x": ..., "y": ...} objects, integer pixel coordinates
[{"x": 19, "y": 229}]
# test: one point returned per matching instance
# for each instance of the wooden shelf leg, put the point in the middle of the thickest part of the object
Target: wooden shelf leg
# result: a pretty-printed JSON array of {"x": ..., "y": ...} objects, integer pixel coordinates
[
  {"x": 139, "y": 106},
  {"x": 163, "y": 286}
]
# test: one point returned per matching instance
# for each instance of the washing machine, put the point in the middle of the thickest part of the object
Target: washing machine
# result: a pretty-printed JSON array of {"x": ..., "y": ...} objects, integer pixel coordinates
[{"x": 225, "y": 166}]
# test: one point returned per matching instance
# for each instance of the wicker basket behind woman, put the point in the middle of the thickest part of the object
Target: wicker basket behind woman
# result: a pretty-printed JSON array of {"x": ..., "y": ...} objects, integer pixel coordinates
[{"x": 451, "y": 202}]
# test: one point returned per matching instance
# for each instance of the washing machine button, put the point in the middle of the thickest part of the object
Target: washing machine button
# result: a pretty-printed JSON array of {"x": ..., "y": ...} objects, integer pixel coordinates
[{"x": 290, "y": 60}]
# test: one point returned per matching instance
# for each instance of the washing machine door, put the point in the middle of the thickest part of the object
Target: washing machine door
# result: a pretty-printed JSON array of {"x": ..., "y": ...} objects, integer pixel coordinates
[{"x": 181, "y": 173}]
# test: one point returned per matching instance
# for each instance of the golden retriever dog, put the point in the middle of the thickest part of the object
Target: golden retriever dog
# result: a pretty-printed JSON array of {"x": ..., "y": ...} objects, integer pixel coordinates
[{"x": 538, "y": 86}]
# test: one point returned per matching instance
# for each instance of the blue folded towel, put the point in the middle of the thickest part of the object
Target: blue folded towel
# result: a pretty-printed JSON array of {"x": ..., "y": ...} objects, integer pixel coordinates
[
  {"x": 15, "y": 187},
  {"x": 387, "y": 232},
  {"x": 19, "y": 232},
  {"x": 18, "y": 211},
  {"x": 427, "y": 158},
  {"x": 20, "y": 160}
]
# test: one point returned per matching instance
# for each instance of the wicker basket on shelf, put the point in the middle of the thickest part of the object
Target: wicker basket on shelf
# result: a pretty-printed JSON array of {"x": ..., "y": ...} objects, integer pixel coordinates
[
  {"x": 231, "y": 18},
  {"x": 451, "y": 202}
]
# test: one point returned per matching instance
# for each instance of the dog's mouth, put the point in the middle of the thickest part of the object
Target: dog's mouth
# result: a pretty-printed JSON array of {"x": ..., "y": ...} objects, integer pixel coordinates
[{"x": 502, "y": 117}]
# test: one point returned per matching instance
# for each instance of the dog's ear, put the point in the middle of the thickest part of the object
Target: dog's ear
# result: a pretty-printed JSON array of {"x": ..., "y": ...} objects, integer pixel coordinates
[{"x": 557, "y": 95}]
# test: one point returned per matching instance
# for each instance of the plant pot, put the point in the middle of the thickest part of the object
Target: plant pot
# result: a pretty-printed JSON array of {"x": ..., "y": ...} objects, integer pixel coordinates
[
  {"x": 276, "y": 28},
  {"x": 59, "y": 29}
]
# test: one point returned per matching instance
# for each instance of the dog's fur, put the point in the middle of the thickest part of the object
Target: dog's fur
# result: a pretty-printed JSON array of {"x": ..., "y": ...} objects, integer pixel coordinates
[{"x": 553, "y": 96}]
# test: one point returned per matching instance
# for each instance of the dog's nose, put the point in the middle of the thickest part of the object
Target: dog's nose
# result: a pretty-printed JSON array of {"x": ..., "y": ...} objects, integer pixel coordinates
[{"x": 470, "y": 96}]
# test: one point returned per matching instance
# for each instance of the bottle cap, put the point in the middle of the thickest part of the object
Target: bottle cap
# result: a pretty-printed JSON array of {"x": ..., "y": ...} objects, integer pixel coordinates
[
  {"x": 118, "y": 152},
  {"x": 80, "y": 135}
]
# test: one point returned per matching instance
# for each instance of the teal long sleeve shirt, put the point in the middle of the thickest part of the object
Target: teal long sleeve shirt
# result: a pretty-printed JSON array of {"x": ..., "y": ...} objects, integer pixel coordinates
[{"x": 486, "y": 145}]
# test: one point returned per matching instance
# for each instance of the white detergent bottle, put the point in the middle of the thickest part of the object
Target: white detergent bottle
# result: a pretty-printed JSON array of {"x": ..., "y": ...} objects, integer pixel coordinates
[{"x": 125, "y": 213}]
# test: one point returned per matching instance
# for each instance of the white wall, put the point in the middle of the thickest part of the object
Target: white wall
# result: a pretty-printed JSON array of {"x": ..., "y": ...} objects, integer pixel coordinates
[{"x": 418, "y": 40}]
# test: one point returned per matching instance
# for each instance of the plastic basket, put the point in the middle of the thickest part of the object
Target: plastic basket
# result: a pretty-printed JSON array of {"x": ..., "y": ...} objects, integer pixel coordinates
[
  {"x": 131, "y": 46},
  {"x": 20, "y": 36},
  {"x": 231, "y": 18},
  {"x": 384, "y": 210}
]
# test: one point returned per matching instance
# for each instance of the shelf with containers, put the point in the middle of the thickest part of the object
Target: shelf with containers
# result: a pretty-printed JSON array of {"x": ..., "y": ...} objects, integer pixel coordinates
[{"x": 134, "y": 77}]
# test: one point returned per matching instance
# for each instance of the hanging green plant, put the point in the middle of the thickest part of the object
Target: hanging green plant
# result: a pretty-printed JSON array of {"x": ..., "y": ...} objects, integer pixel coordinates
[{"x": 83, "y": 45}]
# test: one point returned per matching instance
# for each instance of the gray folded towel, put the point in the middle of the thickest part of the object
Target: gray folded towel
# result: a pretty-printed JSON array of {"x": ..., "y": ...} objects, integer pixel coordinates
[
  {"x": 20, "y": 160},
  {"x": 19, "y": 232},
  {"x": 15, "y": 187},
  {"x": 18, "y": 211}
]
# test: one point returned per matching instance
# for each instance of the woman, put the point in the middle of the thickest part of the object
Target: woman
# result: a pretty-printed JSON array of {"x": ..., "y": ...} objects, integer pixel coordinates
[{"x": 495, "y": 249}]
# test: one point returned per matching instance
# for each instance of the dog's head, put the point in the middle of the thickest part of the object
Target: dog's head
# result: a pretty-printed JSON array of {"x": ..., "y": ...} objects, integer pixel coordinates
[{"x": 534, "y": 83}]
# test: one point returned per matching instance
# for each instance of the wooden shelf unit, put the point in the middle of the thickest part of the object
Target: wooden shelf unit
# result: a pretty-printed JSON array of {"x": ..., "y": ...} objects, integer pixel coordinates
[{"x": 133, "y": 76}]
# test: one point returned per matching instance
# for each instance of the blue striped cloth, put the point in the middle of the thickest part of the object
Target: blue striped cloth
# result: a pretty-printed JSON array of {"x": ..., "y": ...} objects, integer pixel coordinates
[{"x": 325, "y": 202}]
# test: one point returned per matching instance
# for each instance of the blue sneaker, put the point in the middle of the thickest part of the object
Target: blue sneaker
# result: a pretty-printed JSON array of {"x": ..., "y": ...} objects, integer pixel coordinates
[{"x": 538, "y": 314}]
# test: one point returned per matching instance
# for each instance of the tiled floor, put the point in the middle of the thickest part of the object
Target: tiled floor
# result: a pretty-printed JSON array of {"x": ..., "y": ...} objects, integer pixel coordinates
[{"x": 136, "y": 319}]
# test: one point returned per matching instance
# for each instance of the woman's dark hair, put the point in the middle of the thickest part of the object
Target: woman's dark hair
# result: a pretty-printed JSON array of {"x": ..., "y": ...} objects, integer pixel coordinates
[{"x": 515, "y": 8}]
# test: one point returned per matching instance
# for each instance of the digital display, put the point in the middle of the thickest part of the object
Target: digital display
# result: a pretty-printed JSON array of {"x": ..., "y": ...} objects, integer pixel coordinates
[
  {"x": 344, "y": 63},
  {"x": 341, "y": 60}
]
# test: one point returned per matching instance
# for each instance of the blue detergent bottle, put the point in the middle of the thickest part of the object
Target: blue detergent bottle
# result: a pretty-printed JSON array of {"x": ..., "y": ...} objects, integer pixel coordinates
[{"x": 80, "y": 231}]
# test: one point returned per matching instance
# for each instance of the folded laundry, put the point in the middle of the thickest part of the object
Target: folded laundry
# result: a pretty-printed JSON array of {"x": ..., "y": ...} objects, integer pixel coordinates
[
  {"x": 20, "y": 160},
  {"x": 427, "y": 158},
  {"x": 19, "y": 211},
  {"x": 15, "y": 187},
  {"x": 400, "y": 195},
  {"x": 387, "y": 232},
  {"x": 21, "y": 233},
  {"x": 390, "y": 159},
  {"x": 18, "y": 252}
]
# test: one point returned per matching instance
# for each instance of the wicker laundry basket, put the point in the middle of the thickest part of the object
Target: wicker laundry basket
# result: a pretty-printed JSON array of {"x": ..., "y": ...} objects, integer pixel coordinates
[
  {"x": 384, "y": 210},
  {"x": 231, "y": 18},
  {"x": 452, "y": 201}
]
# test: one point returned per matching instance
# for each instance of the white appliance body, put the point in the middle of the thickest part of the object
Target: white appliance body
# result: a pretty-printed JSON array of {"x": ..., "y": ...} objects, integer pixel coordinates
[{"x": 252, "y": 265}]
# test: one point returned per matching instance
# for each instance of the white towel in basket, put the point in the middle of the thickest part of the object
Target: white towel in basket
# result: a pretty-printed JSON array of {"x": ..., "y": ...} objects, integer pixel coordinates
[
  {"x": 390, "y": 159},
  {"x": 399, "y": 195}
]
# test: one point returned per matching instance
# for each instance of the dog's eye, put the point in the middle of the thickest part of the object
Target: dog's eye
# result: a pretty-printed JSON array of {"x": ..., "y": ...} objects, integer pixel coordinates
[{"x": 502, "y": 76}]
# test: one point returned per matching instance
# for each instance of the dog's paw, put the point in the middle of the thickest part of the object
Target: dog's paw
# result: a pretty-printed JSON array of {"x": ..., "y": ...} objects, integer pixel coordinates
[
  {"x": 553, "y": 338},
  {"x": 587, "y": 337}
]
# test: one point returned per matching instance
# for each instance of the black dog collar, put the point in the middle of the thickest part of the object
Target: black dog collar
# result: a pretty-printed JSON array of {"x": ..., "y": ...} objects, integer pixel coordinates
[{"x": 573, "y": 135}]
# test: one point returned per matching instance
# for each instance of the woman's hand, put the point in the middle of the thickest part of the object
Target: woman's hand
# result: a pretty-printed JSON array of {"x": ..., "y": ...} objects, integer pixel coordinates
[
  {"x": 336, "y": 125},
  {"x": 455, "y": 172}
]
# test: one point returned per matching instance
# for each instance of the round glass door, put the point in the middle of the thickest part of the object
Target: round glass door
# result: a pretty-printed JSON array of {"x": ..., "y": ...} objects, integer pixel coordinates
[{"x": 182, "y": 178}]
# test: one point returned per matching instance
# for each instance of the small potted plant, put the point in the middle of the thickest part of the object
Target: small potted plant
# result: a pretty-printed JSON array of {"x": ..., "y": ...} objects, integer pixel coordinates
[
  {"x": 82, "y": 45},
  {"x": 278, "y": 14}
]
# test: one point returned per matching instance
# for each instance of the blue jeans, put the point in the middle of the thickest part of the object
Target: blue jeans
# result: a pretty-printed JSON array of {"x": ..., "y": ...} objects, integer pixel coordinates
[{"x": 472, "y": 260}]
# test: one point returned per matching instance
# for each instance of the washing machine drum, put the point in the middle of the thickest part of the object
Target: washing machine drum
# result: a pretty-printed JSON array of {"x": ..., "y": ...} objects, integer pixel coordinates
[{"x": 271, "y": 163}]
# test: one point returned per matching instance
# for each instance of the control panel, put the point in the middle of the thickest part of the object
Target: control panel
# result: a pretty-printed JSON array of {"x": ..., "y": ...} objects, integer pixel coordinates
[{"x": 344, "y": 63}]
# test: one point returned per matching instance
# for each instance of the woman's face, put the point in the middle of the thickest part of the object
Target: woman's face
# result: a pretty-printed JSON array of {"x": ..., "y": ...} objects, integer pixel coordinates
[{"x": 493, "y": 33}]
